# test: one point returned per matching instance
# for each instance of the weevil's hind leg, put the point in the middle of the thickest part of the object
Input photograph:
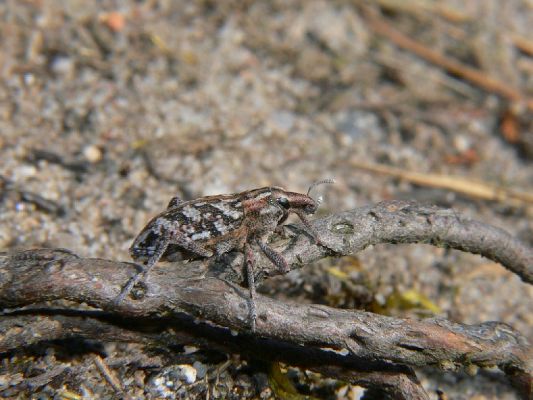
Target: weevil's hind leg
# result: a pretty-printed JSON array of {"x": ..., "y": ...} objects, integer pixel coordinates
[
  {"x": 159, "y": 251},
  {"x": 166, "y": 239},
  {"x": 276, "y": 258},
  {"x": 249, "y": 261}
]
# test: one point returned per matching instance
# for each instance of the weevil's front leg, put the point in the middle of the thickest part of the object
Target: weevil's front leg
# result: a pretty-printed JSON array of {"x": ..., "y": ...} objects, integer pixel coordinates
[
  {"x": 162, "y": 245},
  {"x": 276, "y": 258},
  {"x": 308, "y": 225},
  {"x": 249, "y": 260},
  {"x": 281, "y": 231}
]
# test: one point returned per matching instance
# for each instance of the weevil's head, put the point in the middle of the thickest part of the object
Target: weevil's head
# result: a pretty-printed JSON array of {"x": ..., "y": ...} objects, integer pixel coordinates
[
  {"x": 292, "y": 201},
  {"x": 269, "y": 207},
  {"x": 298, "y": 203}
]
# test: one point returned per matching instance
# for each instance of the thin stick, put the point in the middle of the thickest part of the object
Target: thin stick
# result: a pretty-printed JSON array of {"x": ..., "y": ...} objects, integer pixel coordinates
[{"x": 474, "y": 76}]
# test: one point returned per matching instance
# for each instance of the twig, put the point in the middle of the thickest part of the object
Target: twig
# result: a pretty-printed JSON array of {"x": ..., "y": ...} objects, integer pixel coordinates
[
  {"x": 457, "y": 184},
  {"x": 522, "y": 43},
  {"x": 23, "y": 329},
  {"x": 45, "y": 378},
  {"x": 396, "y": 386},
  {"x": 192, "y": 290},
  {"x": 108, "y": 374},
  {"x": 42, "y": 203},
  {"x": 76, "y": 166},
  {"x": 474, "y": 76}
]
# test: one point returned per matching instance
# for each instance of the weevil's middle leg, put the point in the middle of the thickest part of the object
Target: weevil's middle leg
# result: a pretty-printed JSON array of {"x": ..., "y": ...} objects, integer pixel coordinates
[
  {"x": 308, "y": 226},
  {"x": 249, "y": 261},
  {"x": 276, "y": 258}
]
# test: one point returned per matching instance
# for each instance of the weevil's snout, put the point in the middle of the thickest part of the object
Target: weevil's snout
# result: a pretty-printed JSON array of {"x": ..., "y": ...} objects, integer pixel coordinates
[
  {"x": 308, "y": 205},
  {"x": 291, "y": 201}
]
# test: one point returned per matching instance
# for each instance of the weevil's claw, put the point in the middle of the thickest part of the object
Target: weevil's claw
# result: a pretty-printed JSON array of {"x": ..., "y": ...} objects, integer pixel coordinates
[{"x": 126, "y": 290}]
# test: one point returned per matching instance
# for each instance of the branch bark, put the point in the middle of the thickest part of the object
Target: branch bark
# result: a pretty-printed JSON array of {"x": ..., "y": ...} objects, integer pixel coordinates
[
  {"x": 28, "y": 327},
  {"x": 206, "y": 291}
]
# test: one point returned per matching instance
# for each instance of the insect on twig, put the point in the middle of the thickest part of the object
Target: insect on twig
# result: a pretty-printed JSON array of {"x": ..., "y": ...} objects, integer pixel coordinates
[{"x": 214, "y": 225}]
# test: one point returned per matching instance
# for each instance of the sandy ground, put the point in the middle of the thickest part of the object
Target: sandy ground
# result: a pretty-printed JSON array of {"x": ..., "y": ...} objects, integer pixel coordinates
[{"x": 109, "y": 109}]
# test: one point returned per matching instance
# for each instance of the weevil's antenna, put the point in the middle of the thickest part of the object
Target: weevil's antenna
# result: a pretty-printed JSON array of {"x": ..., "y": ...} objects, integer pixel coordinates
[
  {"x": 323, "y": 181},
  {"x": 317, "y": 183}
]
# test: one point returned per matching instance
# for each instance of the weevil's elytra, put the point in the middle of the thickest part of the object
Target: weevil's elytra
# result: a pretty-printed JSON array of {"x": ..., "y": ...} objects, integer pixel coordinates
[{"x": 214, "y": 225}]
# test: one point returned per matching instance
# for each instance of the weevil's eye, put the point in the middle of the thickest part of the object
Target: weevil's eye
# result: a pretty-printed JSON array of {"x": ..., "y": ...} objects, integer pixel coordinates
[{"x": 283, "y": 201}]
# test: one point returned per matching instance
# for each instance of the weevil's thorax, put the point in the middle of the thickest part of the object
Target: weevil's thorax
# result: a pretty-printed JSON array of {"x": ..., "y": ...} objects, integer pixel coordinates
[{"x": 268, "y": 207}]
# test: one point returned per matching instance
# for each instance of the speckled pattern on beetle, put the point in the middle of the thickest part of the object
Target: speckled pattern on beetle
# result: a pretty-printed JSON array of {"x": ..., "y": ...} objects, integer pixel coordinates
[{"x": 214, "y": 225}]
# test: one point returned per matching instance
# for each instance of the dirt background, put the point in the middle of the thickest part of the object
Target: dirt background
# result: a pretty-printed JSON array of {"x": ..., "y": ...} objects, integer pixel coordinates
[{"x": 110, "y": 108}]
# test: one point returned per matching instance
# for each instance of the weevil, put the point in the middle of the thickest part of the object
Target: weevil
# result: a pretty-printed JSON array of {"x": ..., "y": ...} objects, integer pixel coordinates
[{"x": 213, "y": 225}]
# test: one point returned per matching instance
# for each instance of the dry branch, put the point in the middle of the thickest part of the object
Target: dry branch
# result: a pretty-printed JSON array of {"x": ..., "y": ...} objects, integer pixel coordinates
[
  {"x": 472, "y": 75},
  {"x": 24, "y": 328},
  {"x": 465, "y": 186},
  {"x": 196, "y": 291}
]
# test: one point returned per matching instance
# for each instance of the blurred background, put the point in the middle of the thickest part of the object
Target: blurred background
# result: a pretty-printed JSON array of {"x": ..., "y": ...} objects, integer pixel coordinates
[{"x": 110, "y": 108}]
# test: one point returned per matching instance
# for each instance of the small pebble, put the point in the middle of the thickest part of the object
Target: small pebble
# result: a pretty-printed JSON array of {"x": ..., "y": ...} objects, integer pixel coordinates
[
  {"x": 186, "y": 373},
  {"x": 201, "y": 369},
  {"x": 92, "y": 153},
  {"x": 24, "y": 171},
  {"x": 462, "y": 143},
  {"x": 189, "y": 349},
  {"x": 63, "y": 66},
  {"x": 29, "y": 79}
]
